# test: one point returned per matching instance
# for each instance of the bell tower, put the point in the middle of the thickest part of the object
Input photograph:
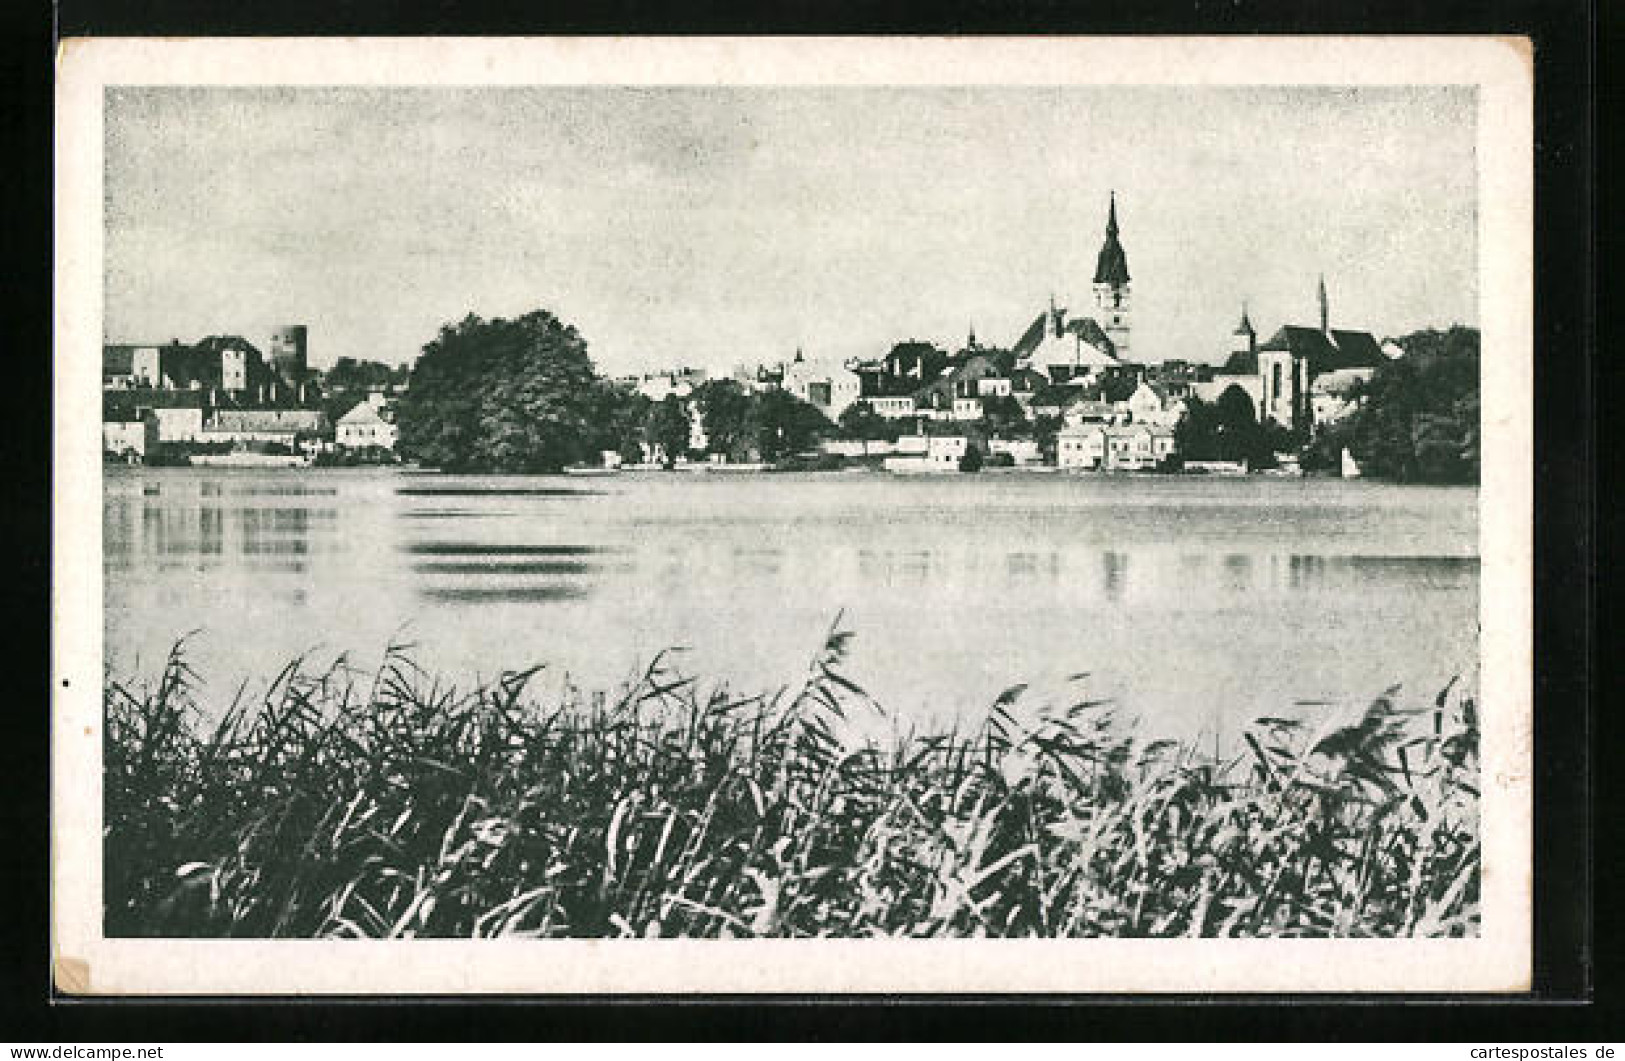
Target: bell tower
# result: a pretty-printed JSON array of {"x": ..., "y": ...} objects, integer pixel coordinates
[{"x": 1111, "y": 286}]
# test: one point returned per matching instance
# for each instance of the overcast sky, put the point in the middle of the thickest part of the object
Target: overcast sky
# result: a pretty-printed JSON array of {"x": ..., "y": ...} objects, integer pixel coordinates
[{"x": 716, "y": 226}]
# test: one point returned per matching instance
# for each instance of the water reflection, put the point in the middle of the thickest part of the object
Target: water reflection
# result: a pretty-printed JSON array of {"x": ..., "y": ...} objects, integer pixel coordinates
[{"x": 1239, "y": 592}]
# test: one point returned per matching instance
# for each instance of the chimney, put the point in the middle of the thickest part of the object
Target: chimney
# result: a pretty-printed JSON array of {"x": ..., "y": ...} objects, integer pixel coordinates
[{"x": 1325, "y": 314}]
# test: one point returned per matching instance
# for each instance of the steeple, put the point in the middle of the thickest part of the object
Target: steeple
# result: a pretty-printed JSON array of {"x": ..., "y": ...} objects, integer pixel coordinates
[
  {"x": 1246, "y": 325},
  {"x": 1325, "y": 314},
  {"x": 1111, "y": 267},
  {"x": 970, "y": 338}
]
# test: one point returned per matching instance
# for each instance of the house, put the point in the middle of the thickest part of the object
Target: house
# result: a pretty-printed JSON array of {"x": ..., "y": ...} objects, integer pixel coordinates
[
  {"x": 944, "y": 452},
  {"x": 830, "y": 390},
  {"x": 278, "y": 426},
  {"x": 1128, "y": 447},
  {"x": 1080, "y": 446},
  {"x": 135, "y": 437},
  {"x": 1152, "y": 404},
  {"x": 364, "y": 427},
  {"x": 892, "y": 408},
  {"x": 179, "y": 423}
]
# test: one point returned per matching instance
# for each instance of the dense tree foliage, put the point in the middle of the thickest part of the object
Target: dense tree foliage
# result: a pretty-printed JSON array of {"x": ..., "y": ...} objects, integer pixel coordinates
[
  {"x": 725, "y": 415},
  {"x": 666, "y": 428},
  {"x": 503, "y": 395},
  {"x": 859, "y": 421},
  {"x": 1418, "y": 419},
  {"x": 348, "y": 374},
  {"x": 1228, "y": 430}
]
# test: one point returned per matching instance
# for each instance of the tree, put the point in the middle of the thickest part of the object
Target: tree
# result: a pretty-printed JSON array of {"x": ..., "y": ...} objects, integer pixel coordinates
[
  {"x": 1418, "y": 416},
  {"x": 860, "y": 421},
  {"x": 786, "y": 425},
  {"x": 1227, "y": 430},
  {"x": 501, "y": 396},
  {"x": 666, "y": 428},
  {"x": 725, "y": 414},
  {"x": 349, "y": 374},
  {"x": 1004, "y": 415}
]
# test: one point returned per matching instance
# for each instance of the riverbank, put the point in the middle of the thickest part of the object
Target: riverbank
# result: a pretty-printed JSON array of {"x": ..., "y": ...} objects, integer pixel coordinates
[{"x": 391, "y": 805}]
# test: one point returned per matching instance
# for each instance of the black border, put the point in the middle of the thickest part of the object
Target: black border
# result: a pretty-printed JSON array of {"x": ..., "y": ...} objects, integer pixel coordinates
[{"x": 1566, "y": 553}]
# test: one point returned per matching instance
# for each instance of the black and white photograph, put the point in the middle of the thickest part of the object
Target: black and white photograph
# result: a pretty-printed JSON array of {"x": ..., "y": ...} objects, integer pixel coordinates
[{"x": 1050, "y": 500}]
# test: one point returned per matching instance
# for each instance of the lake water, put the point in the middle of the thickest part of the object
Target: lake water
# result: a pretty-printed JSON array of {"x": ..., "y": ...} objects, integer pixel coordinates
[{"x": 1196, "y": 604}]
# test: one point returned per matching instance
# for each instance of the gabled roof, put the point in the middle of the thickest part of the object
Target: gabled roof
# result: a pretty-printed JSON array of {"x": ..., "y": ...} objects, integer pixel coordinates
[
  {"x": 363, "y": 413},
  {"x": 1344, "y": 349}
]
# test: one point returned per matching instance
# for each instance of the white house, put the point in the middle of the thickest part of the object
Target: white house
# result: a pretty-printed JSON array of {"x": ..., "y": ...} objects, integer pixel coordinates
[
  {"x": 1080, "y": 445},
  {"x": 129, "y": 436},
  {"x": 363, "y": 428},
  {"x": 946, "y": 451},
  {"x": 892, "y": 408},
  {"x": 1130, "y": 447},
  {"x": 179, "y": 425}
]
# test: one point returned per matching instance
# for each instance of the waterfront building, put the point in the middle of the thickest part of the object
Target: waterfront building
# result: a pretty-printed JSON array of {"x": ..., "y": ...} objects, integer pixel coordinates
[
  {"x": 364, "y": 427},
  {"x": 130, "y": 437},
  {"x": 1127, "y": 447},
  {"x": 281, "y": 426},
  {"x": 178, "y": 423}
]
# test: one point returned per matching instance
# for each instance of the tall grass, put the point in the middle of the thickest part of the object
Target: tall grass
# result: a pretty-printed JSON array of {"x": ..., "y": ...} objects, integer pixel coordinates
[{"x": 336, "y": 805}]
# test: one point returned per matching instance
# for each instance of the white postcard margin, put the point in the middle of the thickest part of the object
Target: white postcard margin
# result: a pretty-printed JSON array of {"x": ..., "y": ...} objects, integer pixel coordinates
[{"x": 1500, "y": 960}]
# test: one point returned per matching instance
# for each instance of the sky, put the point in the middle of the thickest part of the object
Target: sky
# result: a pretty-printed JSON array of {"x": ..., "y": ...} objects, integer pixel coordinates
[{"x": 718, "y": 226}]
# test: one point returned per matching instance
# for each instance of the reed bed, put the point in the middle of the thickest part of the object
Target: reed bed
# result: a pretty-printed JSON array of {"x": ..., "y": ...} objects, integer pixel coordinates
[{"x": 390, "y": 806}]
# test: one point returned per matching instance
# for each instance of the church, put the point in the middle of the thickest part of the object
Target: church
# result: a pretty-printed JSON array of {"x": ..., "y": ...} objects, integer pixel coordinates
[
  {"x": 1302, "y": 375},
  {"x": 1065, "y": 348}
]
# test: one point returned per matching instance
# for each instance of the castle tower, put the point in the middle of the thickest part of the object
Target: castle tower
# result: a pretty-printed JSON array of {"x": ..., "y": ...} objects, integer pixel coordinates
[
  {"x": 1112, "y": 286},
  {"x": 289, "y": 354}
]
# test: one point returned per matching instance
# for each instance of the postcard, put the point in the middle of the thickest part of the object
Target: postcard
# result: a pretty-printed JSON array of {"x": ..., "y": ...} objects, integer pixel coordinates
[{"x": 833, "y": 515}]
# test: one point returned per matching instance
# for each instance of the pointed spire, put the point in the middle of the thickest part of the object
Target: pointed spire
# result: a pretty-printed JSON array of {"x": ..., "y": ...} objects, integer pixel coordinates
[
  {"x": 970, "y": 338},
  {"x": 1246, "y": 325},
  {"x": 1112, "y": 265}
]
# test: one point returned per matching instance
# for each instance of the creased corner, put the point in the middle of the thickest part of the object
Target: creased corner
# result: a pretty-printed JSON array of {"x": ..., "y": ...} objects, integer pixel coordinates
[{"x": 71, "y": 976}]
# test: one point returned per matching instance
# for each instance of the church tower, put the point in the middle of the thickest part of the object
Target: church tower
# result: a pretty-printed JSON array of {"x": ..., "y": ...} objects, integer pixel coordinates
[
  {"x": 1112, "y": 286},
  {"x": 1243, "y": 341}
]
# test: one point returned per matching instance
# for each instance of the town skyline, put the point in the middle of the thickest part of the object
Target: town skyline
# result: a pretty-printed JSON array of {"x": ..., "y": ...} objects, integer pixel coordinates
[{"x": 713, "y": 227}]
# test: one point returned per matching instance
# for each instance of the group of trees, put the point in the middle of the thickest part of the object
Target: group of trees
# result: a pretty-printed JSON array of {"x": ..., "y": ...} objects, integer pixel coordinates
[
  {"x": 766, "y": 425},
  {"x": 1228, "y": 429},
  {"x": 522, "y": 395},
  {"x": 504, "y": 395},
  {"x": 1418, "y": 418}
]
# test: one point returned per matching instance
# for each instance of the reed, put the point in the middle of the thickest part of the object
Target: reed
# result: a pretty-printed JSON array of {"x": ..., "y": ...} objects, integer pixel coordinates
[{"x": 392, "y": 805}]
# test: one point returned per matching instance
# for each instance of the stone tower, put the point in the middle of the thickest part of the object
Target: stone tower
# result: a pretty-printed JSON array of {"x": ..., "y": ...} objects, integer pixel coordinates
[{"x": 1112, "y": 286}]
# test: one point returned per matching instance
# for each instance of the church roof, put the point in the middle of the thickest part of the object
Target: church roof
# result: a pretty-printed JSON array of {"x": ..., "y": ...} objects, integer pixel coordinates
[
  {"x": 1343, "y": 349},
  {"x": 1111, "y": 267}
]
